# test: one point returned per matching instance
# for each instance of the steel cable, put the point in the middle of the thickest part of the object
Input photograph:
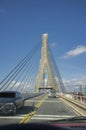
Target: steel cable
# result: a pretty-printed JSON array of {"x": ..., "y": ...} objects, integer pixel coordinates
[{"x": 23, "y": 63}]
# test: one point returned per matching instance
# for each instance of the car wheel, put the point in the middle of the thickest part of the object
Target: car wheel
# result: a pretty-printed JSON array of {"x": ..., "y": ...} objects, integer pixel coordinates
[{"x": 14, "y": 110}]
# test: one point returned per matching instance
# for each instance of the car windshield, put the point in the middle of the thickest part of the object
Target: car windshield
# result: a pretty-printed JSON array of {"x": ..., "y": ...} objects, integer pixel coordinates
[
  {"x": 42, "y": 61},
  {"x": 7, "y": 95}
]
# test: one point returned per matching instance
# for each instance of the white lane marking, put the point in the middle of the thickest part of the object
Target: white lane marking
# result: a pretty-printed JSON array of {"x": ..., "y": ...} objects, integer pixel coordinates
[
  {"x": 32, "y": 100},
  {"x": 50, "y": 117},
  {"x": 53, "y": 116},
  {"x": 44, "y": 101},
  {"x": 12, "y": 117},
  {"x": 74, "y": 108},
  {"x": 43, "y": 118}
]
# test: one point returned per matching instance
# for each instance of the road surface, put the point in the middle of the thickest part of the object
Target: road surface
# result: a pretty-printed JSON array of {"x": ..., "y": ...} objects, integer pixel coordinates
[{"x": 48, "y": 109}]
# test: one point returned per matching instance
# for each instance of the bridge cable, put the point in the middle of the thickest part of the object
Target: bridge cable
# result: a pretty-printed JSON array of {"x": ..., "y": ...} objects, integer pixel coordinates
[
  {"x": 24, "y": 61},
  {"x": 18, "y": 72},
  {"x": 28, "y": 67},
  {"x": 56, "y": 70}
]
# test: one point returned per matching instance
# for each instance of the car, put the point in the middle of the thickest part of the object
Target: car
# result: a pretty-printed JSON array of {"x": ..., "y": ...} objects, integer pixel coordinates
[
  {"x": 52, "y": 95},
  {"x": 10, "y": 102}
]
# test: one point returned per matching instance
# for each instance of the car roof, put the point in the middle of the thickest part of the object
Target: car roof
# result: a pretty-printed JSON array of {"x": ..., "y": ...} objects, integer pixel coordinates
[{"x": 9, "y": 92}]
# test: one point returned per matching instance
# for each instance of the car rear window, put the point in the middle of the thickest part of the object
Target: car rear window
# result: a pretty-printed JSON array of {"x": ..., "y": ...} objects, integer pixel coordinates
[{"x": 7, "y": 95}]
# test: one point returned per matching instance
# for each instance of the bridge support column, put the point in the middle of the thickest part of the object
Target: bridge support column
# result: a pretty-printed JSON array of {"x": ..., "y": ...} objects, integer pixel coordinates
[{"x": 45, "y": 67}]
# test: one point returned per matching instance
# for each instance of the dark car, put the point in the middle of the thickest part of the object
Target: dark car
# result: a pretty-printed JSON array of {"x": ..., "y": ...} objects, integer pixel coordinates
[
  {"x": 10, "y": 102},
  {"x": 52, "y": 95}
]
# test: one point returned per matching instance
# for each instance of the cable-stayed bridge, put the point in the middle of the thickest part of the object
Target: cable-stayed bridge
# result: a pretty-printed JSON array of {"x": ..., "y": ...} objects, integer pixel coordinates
[
  {"x": 34, "y": 76},
  {"x": 36, "y": 71}
]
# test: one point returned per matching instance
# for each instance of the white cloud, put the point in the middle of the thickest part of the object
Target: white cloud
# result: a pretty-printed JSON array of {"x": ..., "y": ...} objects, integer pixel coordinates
[
  {"x": 79, "y": 81},
  {"x": 66, "y": 81},
  {"x": 73, "y": 84},
  {"x": 77, "y": 51},
  {"x": 18, "y": 85}
]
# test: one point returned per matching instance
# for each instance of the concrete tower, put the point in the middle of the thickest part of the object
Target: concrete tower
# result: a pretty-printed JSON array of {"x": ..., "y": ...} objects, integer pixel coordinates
[{"x": 45, "y": 78}]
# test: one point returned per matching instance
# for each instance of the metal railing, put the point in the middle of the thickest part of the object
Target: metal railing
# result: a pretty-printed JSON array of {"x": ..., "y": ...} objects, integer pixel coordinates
[{"x": 79, "y": 98}]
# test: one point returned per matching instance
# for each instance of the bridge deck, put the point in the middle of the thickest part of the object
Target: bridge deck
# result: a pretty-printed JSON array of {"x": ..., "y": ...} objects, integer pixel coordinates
[{"x": 50, "y": 109}]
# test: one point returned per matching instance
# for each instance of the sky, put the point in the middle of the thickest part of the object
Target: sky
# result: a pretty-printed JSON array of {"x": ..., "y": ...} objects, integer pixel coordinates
[{"x": 22, "y": 23}]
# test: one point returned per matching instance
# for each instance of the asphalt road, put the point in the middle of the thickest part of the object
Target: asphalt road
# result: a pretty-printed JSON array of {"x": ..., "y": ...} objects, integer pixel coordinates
[
  {"x": 53, "y": 109},
  {"x": 50, "y": 109}
]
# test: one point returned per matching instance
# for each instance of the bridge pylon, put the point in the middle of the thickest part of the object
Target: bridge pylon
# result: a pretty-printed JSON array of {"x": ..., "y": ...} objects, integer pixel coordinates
[{"x": 45, "y": 78}]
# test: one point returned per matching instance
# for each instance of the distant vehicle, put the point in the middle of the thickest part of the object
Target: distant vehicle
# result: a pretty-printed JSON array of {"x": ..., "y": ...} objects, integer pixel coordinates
[
  {"x": 10, "y": 102},
  {"x": 52, "y": 95}
]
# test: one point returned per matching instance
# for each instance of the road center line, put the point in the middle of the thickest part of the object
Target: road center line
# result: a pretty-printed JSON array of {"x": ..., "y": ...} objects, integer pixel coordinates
[{"x": 29, "y": 115}]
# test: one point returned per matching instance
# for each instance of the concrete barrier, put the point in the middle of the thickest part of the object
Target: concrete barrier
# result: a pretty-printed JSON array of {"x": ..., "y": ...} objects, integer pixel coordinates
[
  {"x": 77, "y": 103},
  {"x": 27, "y": 96}
]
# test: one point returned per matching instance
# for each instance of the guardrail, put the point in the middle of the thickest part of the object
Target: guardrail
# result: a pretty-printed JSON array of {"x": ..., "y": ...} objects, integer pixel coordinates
[
  {"x": 80, "y": 98},
  {"x": 76, "y": 97},
  {"x": 27, "y": 96},
  {"x": 77, "y": 103}
]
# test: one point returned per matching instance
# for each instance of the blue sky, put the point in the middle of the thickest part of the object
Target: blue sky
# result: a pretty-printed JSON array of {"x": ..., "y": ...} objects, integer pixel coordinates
[{"x": 22, "y": 23}]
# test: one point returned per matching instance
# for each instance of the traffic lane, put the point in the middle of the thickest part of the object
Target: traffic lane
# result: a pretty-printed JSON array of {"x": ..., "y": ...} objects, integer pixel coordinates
[
  {"x": 28, "y": 107},
  {"x": 53, "y": 109},
  {"x": 11, "y": 119},
  {"x": 27, "y": 118},
  {"x": 55, "y": 106}
]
